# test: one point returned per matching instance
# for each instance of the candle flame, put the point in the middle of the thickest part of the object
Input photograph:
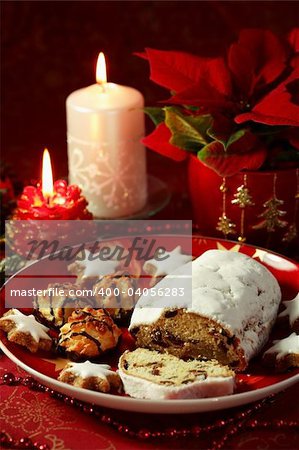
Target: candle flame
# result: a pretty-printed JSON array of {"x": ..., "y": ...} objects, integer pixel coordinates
[
  {"x": 101, "y": 73},
  {"x": 47, "y": 176}
]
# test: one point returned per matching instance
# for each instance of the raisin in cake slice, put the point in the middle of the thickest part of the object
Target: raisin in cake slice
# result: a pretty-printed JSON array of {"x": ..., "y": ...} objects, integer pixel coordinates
[
  {"x": 234, "y": 305},
  {"x": 150, "y": 374}
]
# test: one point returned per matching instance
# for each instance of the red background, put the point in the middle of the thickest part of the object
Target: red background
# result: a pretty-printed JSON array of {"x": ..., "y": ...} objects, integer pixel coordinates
[{"x": 50, "y": 48}]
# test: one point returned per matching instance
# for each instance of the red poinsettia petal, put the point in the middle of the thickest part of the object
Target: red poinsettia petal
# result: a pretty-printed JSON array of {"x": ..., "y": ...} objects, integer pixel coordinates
[
  {"x": 178, "y": 70},
  {"x": 215, "y": 73},
  {"x": 295, "y": 65},
  {"x": 228, "y": 164},
  {"x": 293, "y": 39},
  {"x": 222, "y": 127},
  {"x": 203, "y": 94},
  {"x": 257, "y": 58},
  {"x": 142, "y": 55},
  {"x": 173, "y": 70},
  {"x": 158, "y": 141},
  {"x": 279, "y": 107}
]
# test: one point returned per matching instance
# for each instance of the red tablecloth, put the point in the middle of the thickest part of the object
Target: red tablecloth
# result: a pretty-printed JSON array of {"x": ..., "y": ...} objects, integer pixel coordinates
[{"x": 37, "y": 415}]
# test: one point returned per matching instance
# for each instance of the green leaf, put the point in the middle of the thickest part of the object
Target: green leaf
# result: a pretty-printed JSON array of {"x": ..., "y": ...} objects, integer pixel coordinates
[
  {"x": 214, "y": 135},
  {"x": 192, "y": 108},
  {"x": 234, "y": 137},
  {"x": 288, "y": 154},
  {"x": 220, "y": 137},
  {"x": 226, "y": 163},
  {"x": 188, "y": 132},
  {"x": 156, "y": 114},
  {"x": 214, "y": 149}
]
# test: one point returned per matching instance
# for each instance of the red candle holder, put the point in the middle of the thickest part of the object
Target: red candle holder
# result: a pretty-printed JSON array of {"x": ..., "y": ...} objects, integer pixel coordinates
[
  {"x": 66, "y": 203},
  {"x": 35, "y": 212}
]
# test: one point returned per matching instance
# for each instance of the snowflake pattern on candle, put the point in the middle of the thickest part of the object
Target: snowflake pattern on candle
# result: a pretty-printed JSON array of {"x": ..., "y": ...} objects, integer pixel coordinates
[{"x": 116, "y": 184}]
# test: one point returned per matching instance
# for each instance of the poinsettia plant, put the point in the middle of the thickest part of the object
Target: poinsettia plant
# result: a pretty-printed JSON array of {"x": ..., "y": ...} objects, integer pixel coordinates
[{"x": 237, "y": 111}]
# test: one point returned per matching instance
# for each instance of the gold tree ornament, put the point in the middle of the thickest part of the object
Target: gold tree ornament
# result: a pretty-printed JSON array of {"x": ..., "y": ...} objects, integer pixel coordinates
[
  {"x": 242, "y": 198},
  {"x": 224, "y": 224},
  {"x": 292, "y": 231},
  {"x": 223, "y": 187},
  {"x": 272, "y": 214}
]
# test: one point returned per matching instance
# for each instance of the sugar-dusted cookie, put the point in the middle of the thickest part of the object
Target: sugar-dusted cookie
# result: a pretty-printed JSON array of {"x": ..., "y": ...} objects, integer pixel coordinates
[
  {"x": 88, "y": 333},
  {"x": 56, "y": 303},
  {"x": 89, "y": 269},
  {"x": 25, "y": 330},
  {"x": 97, "y": 377},
  {"x": 292, "y": 312},
  {"x": 283, "y": 354},
  {"x": 173, "y": 260}
]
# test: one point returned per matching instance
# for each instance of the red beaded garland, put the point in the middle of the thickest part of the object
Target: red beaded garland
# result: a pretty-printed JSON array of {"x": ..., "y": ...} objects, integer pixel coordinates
[
  {"x": 233, "y": 425},
  {"x": 22, "y": 443}
]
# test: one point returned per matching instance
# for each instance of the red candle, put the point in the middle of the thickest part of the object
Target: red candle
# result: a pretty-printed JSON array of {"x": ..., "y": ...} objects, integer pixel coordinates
[{"x": 51, "y": 201}]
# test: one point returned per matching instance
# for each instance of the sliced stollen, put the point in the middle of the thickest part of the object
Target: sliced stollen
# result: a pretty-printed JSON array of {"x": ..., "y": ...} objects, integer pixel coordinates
[
  {"x": 234, "y": 305},
  {"x": 150, "y": 374}
]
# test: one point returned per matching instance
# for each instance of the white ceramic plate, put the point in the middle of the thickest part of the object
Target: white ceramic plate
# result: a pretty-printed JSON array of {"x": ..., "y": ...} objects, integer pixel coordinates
[
  {"x": 254, "y": 385},
  {"x": 154, "y": 406}
]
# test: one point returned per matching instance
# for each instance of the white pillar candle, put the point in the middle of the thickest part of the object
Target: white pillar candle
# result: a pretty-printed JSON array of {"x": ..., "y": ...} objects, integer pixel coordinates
[{"x": 105, "y": 123}]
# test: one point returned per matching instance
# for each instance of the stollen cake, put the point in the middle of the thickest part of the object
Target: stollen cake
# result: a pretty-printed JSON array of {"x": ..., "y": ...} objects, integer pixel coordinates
[
  {"x": 234, "y": 305},
  {"x": 160, "y": 268},
  {"x": 150, "y": 374}
]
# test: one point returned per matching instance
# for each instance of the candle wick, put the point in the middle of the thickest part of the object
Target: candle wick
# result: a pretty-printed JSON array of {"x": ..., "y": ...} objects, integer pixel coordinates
[
  {"x": 47, "y": 198},
  {"x": 102, "y": 86}
]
